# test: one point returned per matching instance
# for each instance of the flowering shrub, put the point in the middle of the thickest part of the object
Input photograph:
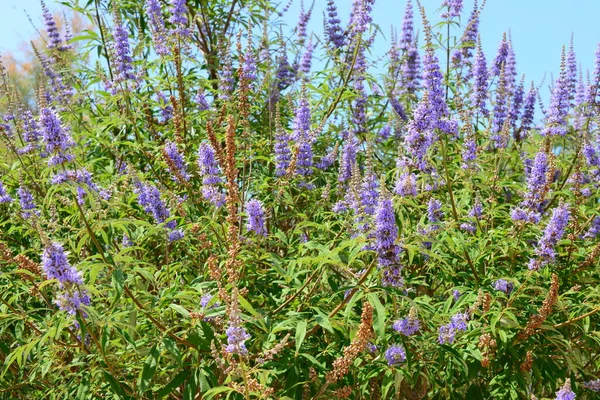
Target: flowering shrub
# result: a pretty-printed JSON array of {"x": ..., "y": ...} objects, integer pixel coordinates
[{"x": 192, "y": 210}]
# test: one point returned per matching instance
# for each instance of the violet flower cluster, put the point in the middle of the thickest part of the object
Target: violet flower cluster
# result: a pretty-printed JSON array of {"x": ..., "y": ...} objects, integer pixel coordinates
[
  {"x": 56, "y": 266},
  {"x": 211, "y": 176},
  {"x": 447, "y": 333},
  {"x": 545, "y": 249},
  {"x": 395, "y": 355},
  {"x": 256, "y": 217}
]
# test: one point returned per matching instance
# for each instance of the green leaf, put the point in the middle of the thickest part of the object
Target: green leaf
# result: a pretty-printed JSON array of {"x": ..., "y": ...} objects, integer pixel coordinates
[
  {"x": 300, "y": 334},
  {"x": 149, "y": 369}
]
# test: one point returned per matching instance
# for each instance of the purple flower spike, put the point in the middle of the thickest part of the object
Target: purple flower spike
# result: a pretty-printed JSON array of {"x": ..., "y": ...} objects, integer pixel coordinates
[
  {"x": 565, "y": 392},
  {"x": 179, "y": 18},
  {"x": 56, "y": 266},
  {"x": 211, "y": 176},
  {"x": 157, "y": 27},
  {"x": 256, "y": 217},
  {"x": 27, "y": 203},
  {"x": 395, "y": 355},
  {"x": 55, "y": 136},
  {"x": 54, "y": 40},
  {"x": 333, "y": 28},
  {"x": 503, "y": 285},
  {"x": 4, "y": 196},
  {"x": 176, "y": 162}
]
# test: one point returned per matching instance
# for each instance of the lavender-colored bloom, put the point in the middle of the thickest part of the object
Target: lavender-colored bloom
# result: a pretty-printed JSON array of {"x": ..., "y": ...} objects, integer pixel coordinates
[
  {"x": 500, "y": 112},
  {"x": 328, "y": 160},
  {"x": 556, "y": 122},
  {"x": 301, "y": 125},
  {"x": 477, "y": 210},
  {"x": 226, "y": 81},
  {"x": 406, "y": 185},
  {"x": 285, "y": 72},
  {"x": 149, "y": 198},
  {"x": 68, "y": 38},
  {"x": 31, "y": 132},
  {"x": 166, "y": 109},
  {"x": 249, "y": 64},
  {"x": 434, "y": 213},
  {"x": 501, "y": 56},
  {"x": 388, "y": 252},
  {"x": 531, "y": 207},
  {"x": 301, "y": 134},
  {"x": 454, "y": 7},
  {"x": 283, "y": 154},
  {"x": 201, "y": 101},
  {"x": 256, "y": 217},
  {"x": 179, "y": 18},
  {"x": 469, "y": 153},
  {"x": 4, "y": 196},
  {"x": 552, "y": 234},
  {"x": 432, "y": 82},
  {"x": 456, "y": 295},
  {"x": 59, "y": 90},
  {"x": 176, "y": 234},
  {"x": 360, "y": 16},
  {"x": 503, "y": 285},
  {"x": 514, "y": 111},
  {"x": 480, "y": 81},
  {"x": 73, "y": 300},
  {"x": 211, "y": 176},
  {"x": 468, "y": 40},
  {"x": 306, "y": 61},
  {"x": 593, "y": 385},
  {"x": 302, "y": 23},
  {"x": 594, "y": 230},
  {"x": 510, "y": 69},
  {"x": 236, "y": 338},
  {"x": 395, "y": 355},
  {"x": 157, "y": 27},
  {"x": 565, "y": 393},
  {"x": 55, "y": 136},
  {"x": 446, "y": 334},
  {"x": 458, "y": 322},
  {"x": 384, "y": 133},
  {"x": 176, "y": 162},
  {"x": 571, "y": 71},
  {"x": 420, "y": 135},
  {"x": 27, "y": 203},
  {"x": 468, "y": 227},
  {"x": 304, "y": 162},
  {"x": 333, "y": 28},
  {"x": 591, "y": 154},
  {"x": 409, "y": 67},
  {"x": 126, "y": 242},
  {"x": 528, "y": 113},
  {"x": 122, "y": 60},
  {"x": 348, "y": 157},
  {"x": 397, "y": 107},
  {"x": 407, "y": 326},
  {"x": 56, "y": 266},
  {"x": 54, "y": 40}
]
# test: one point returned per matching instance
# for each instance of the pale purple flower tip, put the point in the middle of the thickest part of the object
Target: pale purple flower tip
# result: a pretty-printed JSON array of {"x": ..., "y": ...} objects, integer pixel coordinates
[
  {"x": 565, "y": 393},
  {"x": 407, "y": 326},
  {"x": 27, "y": 203},
  {"x": 4, "y": 196},
  {"x": 256, "y": 217},
  {"x": 56, "y": 266},
  {"x": 395, "y": 355},
  {"x": 503, "y": 285}
]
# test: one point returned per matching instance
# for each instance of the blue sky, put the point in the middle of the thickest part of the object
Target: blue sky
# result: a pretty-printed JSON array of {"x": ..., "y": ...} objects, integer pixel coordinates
[{"x": 538, "y": 27}]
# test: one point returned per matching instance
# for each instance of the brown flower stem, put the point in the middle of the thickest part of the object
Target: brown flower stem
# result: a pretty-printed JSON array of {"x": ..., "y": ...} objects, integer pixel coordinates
[{"x": 594, "y": 311}]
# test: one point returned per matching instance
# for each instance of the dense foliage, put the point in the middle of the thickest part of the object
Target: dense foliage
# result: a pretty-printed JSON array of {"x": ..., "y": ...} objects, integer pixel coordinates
[{"x": 200, "y": 206}]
